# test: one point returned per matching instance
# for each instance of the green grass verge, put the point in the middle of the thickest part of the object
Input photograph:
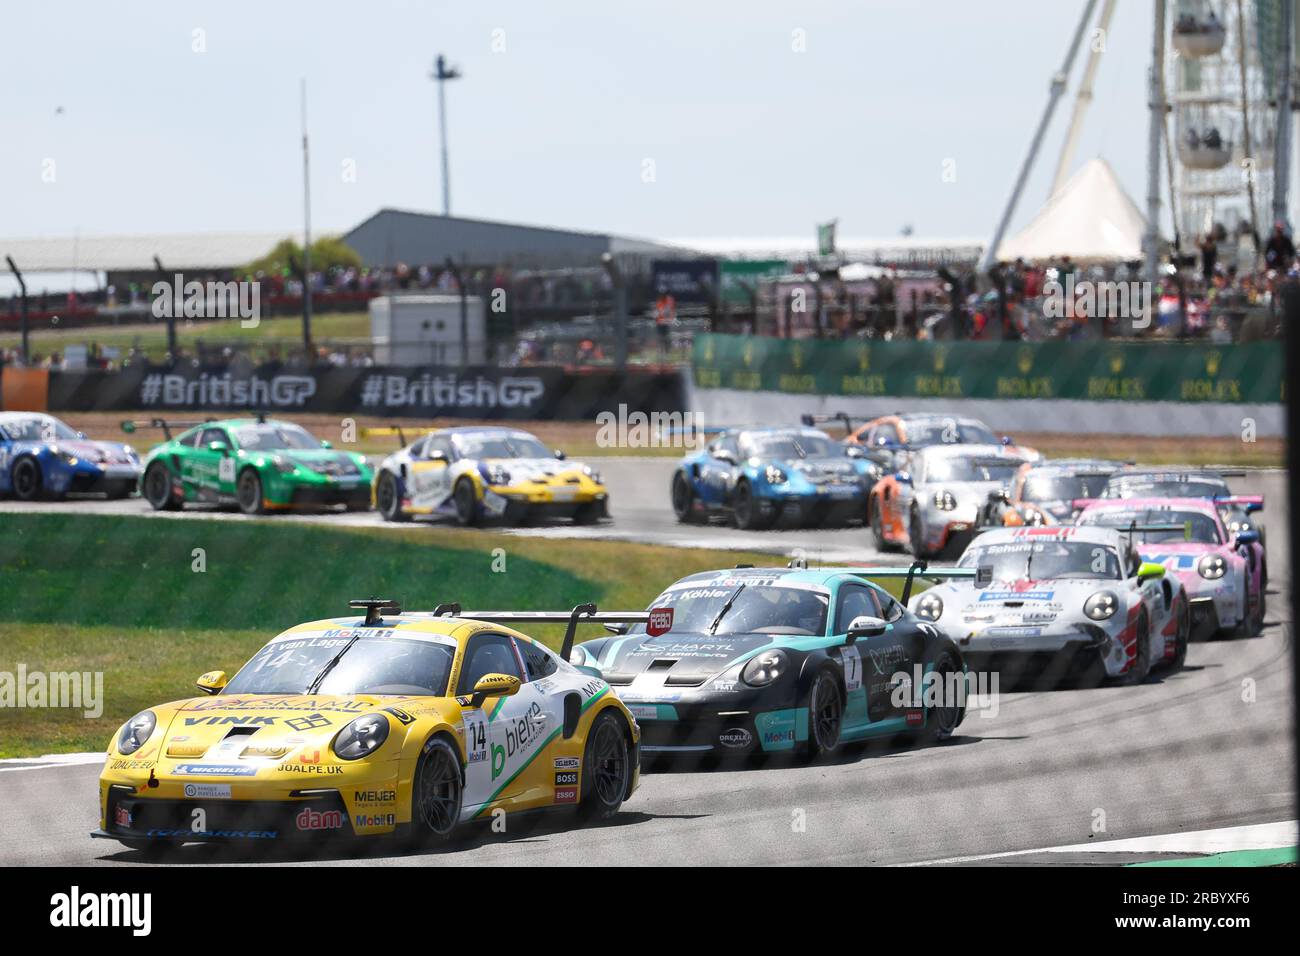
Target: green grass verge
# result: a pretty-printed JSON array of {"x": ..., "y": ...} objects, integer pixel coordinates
[{"x": 119, "y": 596}]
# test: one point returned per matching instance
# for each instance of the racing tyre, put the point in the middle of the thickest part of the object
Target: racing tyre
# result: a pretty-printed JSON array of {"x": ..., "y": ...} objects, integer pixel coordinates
[
  {"x": 157, "y": 487},
  {"x": 1142, "y": 663},
  {"x": 591, "y": 512},
  {"x": 26, "y": 480},
  {"x": 1254, "y": 621},
  {"x": 942, "y": 721},
  {"x": 466, "y": 507},
  {"x": 388, "y": 499},
  {"x": 249, "y": 493},
  {"x": 825, "y": 716},
  {"x": 1182, "y": 634},
  {"x": 683, "y": 499},
  {"x": 915, "y": 538},
  {"x": 606, "y": 768},
  {"x": 878, "y": 527},
  {"x": 436, "y": 793},
  {"x": 746, "y": 510}
]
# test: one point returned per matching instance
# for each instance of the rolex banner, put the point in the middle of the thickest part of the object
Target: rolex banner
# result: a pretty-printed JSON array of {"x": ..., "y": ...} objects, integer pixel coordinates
[{"x": 1095, "y": 371}]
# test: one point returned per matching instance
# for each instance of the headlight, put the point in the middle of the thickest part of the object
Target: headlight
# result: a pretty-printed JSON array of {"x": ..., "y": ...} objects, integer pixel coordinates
[
  {"x": 577, "y": 656},
  {"x": 1101, "y": 606},
  {"x": 929, "y": 606},
  {"x": 1034, "y": 517},
  {"x": 135, "y": 732},
  {"x": 593, "y": 474},
  {"x": 494, "y": 474},
  {"x": 283, "y": 465},
  {"x": 764, "y": 668},
  {"x": 362, "y": 736},
  {"x": 67, "y": 457},
  {"x": 774, "y": 475},
  {"x": 944, "y": 501},
  {"x": 1212, "y": 567}
]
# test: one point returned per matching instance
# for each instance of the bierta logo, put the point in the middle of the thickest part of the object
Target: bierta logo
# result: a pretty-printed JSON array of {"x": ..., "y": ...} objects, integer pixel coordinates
[
  {"x": 225, "y": 391},
  {"x": 75, "y": 909},
  {"x": 450, "y": 391}
]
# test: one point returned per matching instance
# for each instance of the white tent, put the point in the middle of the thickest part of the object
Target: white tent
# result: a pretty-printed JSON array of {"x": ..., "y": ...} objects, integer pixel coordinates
[{"x": 1089, "y": 219}]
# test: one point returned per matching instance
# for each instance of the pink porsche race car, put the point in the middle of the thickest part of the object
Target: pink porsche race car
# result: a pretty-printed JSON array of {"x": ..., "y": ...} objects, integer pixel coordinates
[{"x": 1221, "y": 570}]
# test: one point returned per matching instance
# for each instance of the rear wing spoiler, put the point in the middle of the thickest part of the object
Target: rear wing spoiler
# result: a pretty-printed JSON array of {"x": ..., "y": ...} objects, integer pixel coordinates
[
  {"x": 167, "y": 424},
  {"x": 582, "y": 614},
  {"x": 982, "y": 576},
  {"x": 811, "y": 420},
  {"x": 1251, "y": 503},
  {"x": 387, "y": 432}
]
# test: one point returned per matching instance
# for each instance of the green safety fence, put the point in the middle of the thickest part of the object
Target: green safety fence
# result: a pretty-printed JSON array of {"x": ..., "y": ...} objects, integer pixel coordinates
[{"x": 1093, "y": 370}]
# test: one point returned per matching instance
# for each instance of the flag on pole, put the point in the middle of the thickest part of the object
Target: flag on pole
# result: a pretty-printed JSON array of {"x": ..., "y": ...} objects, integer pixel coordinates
[{"x": 826, "y": 238}]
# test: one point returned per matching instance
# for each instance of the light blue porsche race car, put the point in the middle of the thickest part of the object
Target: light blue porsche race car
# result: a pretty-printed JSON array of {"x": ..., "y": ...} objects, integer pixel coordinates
[{"x": 763, "y": 476}]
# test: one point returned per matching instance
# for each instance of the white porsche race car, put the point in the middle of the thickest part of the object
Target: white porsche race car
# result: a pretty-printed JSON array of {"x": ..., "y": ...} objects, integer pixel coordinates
[{"x": 1065, "y": 603}]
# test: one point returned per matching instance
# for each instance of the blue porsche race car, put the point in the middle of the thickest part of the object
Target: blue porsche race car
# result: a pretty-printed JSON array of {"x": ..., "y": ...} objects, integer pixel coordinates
[
  {"x": 770, "y": 660},
  {"x": 41, "y": 457},
  {"x": 762, "y": 476}
]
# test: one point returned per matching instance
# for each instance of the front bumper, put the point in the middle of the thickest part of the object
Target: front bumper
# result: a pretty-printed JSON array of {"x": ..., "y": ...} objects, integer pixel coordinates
[
  {"x": 1033, "y": 650},
  {"x": 133, "y": 816},
  {"x": 88, "y": 478},
  {"x": 821, "y": 504},
  {"x": 696, "y": 721},
  {"x": 545, "y": 501},
  {"x": 308, "y": 493}
]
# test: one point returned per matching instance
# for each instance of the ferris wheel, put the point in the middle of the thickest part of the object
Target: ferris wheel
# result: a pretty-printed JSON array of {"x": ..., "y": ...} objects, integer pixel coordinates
[{"x": 1222, "y": 75}]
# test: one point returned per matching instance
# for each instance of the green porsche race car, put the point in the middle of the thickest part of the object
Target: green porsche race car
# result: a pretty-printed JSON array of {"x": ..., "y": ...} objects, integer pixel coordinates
[{"x": 259, "y": 464}]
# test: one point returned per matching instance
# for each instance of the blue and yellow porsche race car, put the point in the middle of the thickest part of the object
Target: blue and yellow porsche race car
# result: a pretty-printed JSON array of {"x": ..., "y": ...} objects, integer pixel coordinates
[
  {"x": 41, "y": 457},
  {"x": 761, "y": 476}
]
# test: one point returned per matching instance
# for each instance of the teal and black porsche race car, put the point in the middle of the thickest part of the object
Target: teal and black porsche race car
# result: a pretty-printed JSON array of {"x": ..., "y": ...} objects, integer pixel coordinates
[
  {"x": 259, "y": 464},
  {"x": 764, "y": 660}
]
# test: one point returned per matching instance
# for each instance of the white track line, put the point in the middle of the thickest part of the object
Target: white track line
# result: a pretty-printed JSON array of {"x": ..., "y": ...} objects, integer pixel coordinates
[
  {"x": 47, "y": 761},
  {"x": 1261, "y": 836}
]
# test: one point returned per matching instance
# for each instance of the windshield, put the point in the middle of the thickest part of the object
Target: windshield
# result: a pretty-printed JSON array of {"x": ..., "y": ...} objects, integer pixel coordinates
[
  {"x": 1045, "y": 560},
  {"x": 274, "y": 437},
  {"x": 1205, "y": 530},
  {"x": 788, "y": 447},
  {"x": 373, "y": 665},
  {"x": 757, "y": 609},
  {"x": 954, "y": 468},
  {"x": 38, "y": 429},
  {"x": 1062, "y": 487},
  {"x": 1166, "y": 486},
  {"x": 500, "y": 446},
  {"x": 921, "y": 434}
]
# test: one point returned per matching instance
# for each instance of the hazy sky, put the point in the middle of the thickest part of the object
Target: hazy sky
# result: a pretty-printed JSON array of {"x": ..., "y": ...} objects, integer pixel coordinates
[{"x": 747, "y": 136}]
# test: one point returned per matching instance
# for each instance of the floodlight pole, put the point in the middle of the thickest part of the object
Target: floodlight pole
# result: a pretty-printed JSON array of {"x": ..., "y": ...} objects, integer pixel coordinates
[
  {"x": 22, "y": 289},
  {"x": 306, "y": 232},
  {"x": 441, "y": 73}
]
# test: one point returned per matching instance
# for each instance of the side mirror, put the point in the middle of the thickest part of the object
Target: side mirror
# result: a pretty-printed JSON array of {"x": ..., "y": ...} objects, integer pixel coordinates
[
  {"x": 1149, "y": 569},
  {"x": 1249, "y": 536},
  {"x": 616, "y": 628},
  {"x": 326, "y": 444},
  {"x": 866, "y": 626},
  {"x": 220, "y": 447},
  {"x": 212, "y": 682},
  {"x": 437, "y": 456},
  {"x": 494, "y": 685},
  {"x": 560, "y": 455}
]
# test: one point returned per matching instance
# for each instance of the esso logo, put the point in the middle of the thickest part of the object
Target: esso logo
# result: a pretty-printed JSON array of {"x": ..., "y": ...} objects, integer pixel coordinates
[{"x": 660, "y": 621}]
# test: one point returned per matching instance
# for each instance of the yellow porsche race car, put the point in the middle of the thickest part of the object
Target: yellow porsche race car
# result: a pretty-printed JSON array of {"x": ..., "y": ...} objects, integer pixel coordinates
[
  {"x": 364, "y": 726},
  {"x": 474, "y": 473}
]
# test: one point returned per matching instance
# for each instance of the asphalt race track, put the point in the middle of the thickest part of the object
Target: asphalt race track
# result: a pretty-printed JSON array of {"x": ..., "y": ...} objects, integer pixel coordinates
[{"x": 1206, "y": 748}]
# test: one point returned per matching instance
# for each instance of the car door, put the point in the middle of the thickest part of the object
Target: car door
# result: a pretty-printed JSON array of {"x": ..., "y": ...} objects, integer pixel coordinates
[
  {"x": 210, "y": 474},
  {"x": 717, "y": 474},
  {"x": 853, "y": 600},
  {"x": 430, "y": 475},
  {"x": 887, "y": 661},
  {"x": 504, "y": 735}
]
